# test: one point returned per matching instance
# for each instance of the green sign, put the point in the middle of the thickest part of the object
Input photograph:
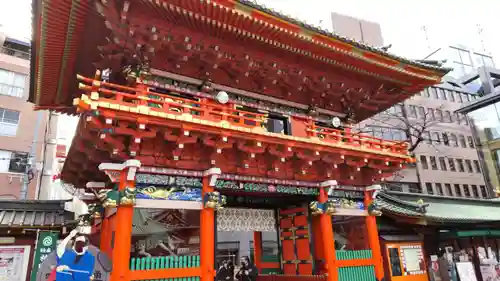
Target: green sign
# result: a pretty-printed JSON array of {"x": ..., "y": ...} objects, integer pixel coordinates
[{"x": 45, "y": 244}]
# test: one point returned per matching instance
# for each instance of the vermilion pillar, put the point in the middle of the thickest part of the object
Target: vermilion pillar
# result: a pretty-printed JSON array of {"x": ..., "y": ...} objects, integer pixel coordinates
[
  {"x": 124, "y": 214},
  {"x": 257, "y": 249},
  {"x": 207, "y": 228},
  {"x": 325, "y": 221},
  {"x": 373, "y": 239},
  {"x": 105, "y": 238}
]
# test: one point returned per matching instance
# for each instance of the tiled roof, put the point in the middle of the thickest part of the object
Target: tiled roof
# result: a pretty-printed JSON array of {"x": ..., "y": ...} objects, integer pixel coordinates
[
  {"x": 347, "y": 40},
  {"x": 439, "y": 208},
  {"x": 34, "y": 214}
]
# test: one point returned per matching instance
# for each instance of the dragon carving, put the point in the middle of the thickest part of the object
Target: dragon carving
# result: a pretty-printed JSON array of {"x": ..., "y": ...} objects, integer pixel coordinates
[
  {"x": 322, "y": 208},
  {"x": 114, "y": 197},
  {"x": 214, "y": 200}
]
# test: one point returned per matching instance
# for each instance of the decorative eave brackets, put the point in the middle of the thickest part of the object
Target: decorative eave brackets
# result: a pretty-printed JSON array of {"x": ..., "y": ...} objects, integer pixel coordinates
[
  {"x": 330, "y": 185},
  {"x": 113, "y": 170},
  {"x": 214, "y": 174}
]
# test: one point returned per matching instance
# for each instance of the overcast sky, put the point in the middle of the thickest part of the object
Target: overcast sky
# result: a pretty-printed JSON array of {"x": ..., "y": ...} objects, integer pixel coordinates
[{"x": 447, "y": 21}]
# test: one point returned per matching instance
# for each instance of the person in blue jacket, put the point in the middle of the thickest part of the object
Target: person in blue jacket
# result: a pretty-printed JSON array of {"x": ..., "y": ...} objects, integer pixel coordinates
[{"x": 75, "y": 263}]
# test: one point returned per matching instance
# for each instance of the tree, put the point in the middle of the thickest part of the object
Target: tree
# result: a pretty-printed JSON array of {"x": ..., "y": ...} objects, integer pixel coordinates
[{"x": 415, "y": 122}]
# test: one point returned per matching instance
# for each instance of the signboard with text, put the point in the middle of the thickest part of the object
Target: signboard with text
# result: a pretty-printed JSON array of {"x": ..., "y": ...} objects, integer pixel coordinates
[{"x": 46, "y": 244}]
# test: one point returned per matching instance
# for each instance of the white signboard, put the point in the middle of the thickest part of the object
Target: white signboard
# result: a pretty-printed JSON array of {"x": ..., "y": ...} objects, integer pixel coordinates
[
  {"x": 490, "y": 272},
  {"x": 14, "y": 262},
  {"x": 466, "y": 271}
]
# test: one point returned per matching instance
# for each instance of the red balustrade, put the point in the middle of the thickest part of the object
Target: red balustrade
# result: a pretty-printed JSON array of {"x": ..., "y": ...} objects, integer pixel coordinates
[
  {"x": 208, "y": 109},
  {"x": 348, "y": 137}
]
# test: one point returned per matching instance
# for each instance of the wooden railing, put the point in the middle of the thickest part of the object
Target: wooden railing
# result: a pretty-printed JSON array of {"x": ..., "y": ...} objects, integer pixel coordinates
[
  {"x": 355, "y": 265},
  {"x": 356, "y": 139},
  {"x": 183, "y": 268},
  {"x": 206, "y": 108}
]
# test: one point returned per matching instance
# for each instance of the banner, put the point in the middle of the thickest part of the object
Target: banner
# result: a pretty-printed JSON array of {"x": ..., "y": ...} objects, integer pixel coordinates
[{"x": 45, "y": 244}]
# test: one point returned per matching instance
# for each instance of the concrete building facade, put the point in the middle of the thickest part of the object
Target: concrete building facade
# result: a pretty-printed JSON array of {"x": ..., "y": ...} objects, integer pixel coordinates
[
  {"x": 17, "y": 121},
  {"x": 360, "y": 30},
  {"x": 447, "y": 158}
]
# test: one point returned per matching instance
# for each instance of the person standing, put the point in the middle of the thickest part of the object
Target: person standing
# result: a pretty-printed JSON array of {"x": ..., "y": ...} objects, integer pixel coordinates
[
  {"x": 224, "y": 273},
  {"x": 248, "y": 271}
]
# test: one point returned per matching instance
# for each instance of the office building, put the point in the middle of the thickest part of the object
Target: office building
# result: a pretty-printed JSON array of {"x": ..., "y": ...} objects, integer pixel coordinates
[
  {"x": 447, "y": 162},
  {"x": 484, "y": 114},
  {"x": 18, "y": 122},
  {"x": 359, "y": 30}
]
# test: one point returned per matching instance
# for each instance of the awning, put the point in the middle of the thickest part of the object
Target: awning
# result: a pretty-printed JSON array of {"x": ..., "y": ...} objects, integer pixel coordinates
[
  {"x": 439, "y": 208},
  {"x": 34, "y": 214}
]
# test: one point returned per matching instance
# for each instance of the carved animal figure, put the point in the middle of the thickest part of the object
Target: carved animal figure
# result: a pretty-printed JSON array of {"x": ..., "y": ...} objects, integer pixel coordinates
[
  {"x": 127, "y": 196},
  {"x": 330, "y": 208},
  {"x": 158, "y": 193},
  {"x": 316, "y": 208},
  {"x": 214, "y": 200},
  {"x": 374, "y": 209}
]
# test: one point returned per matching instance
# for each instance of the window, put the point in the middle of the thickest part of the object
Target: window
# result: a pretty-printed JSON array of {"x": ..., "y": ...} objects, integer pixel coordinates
[
  {"x": 451, "y": 96},
  {"x": 468, "y": 164},
  {"x": 446, "y": 141},
  {"x": 426, "y": 93},
  {"x": 453, "y": 140},
  {"x": 439, "y": 189},
  {"x": 442, "y": 163},
  {"x": 278, "y": 124},
  {"x": 449, "y": 192},
  {"x": 462, "y": 141},
  {"x": 451, "y": 163},
  {"x": 435, "y": 138},
  {"x": 466, "y": 120},
  {"x": 427, "y": 137},
  {"x": 434, "y": 165},
  {"x": 9, "y": 121},
  {"x": 477, "y": 166},
  {"x": 483, "y": 191},
  {"x": 397, "y": 109},
  {"x": 428, "y": 187},
  {"x": 435, "y": 93},
  {"x": 442, "y": 94},
  {"x": 439, "y": 115},
  {"x": 460, "y": 164},
  {"x": 475, "y": 191},
  {"x": 395, "y": 261},
  {"x": 415, "y": 187},
  {"x": 470, "y": 140},
  {"x": 466, "y": 190},
  {"x": 465, "y": 97},
  {"x": 412, "y": 111},
  {"x": 13, "y": 162},
  {"x": 457, "y": 118},
  {"x": 423, "y": 162},
  {"x": 386, "y": 133},
  {"x": 432, "y": 116},
  {"x": 447, "y": 116},
  {"x": 458, "y": 191},
  {"x": 421, "y": 112},
  {"x": 12, "y": 83}
]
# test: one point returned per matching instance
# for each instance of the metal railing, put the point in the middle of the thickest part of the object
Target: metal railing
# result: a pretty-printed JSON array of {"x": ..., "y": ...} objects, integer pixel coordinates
[{"x": 15, "y": 53}]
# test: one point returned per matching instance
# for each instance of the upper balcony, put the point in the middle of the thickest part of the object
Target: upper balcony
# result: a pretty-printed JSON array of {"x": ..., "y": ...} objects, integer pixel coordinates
[
  {"x": 14, "y": 53},
  {"x": 175, "y": 127}
]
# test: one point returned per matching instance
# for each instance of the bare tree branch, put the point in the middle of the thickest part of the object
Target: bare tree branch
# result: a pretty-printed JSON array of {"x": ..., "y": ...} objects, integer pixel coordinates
[{"x": 415, "y": 122}]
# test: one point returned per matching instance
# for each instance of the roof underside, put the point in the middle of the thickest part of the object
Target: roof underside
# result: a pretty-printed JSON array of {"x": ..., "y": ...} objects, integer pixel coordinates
[
  {"x": 439, "y": 209},
  {"x": 205, "y": 40}
]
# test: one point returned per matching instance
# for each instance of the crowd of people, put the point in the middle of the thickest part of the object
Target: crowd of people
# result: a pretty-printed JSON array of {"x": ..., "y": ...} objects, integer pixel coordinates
[{"x": 247, "y": 271}]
